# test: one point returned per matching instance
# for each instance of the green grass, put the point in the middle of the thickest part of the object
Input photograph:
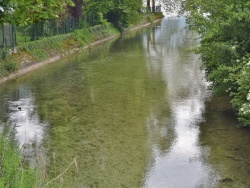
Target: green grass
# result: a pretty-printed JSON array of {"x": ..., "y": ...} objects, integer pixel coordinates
[
  {"x": 87, "y": 35},
  {"x": 46, "y": 47},
  {"x": 16, "y": 173},
  {"x": 7, "y": 64},
  {"x": 13, "y": 171}
]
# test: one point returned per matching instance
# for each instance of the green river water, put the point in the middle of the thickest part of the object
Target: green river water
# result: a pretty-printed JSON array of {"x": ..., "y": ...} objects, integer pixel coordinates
[{"x": 132, "y": 112}]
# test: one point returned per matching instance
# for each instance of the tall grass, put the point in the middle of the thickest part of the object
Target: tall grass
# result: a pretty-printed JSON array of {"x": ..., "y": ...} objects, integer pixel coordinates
[
  {"x": 16, "y": 173},
  {"x": 7, "y": 63},
  {"x": 13, "y": 170}
]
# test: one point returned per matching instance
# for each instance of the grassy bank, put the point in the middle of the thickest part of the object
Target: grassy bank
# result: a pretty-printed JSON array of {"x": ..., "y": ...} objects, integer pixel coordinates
[
  {"x": 45, "y": 48},
  {"x": 16, "y": 173},
  {"x": 13, "y": 171}
]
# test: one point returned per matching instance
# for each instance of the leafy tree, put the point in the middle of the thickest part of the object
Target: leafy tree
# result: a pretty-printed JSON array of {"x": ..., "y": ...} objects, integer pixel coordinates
[
  {"x": 98, "y": 6},
  {"x": 121, "y": 12},
  {"x": 30, "y": 11},
  {"x": 126, "y": 12},
  {"x": 5, "y": 8},
  {"x": 224, "y": 27},
  {"x": 76, "y": 11}
]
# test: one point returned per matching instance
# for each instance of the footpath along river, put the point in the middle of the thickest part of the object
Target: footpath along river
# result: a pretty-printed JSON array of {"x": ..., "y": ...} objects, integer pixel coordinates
[{"x": 133, "y": 112}]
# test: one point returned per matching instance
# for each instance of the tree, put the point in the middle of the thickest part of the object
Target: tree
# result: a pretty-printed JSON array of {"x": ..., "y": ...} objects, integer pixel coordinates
[
  {"x": 126, "y": 12},
  {"x": 153, "y": 5},
  {"x": 121, "y": 12},
  {"x": 76, "y": 11},
  {"x": 148, "y": 5},
  {"x": 5, "y": 8},
  {"x": 224, "y": 27},
  {"x": 98, "y": 6},
  {"x": 30, "y": 11}
]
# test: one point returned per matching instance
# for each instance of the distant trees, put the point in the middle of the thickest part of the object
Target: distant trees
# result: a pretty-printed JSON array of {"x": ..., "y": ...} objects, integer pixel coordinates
[
  {"x": 224, "y": 27},
  {"x": 149, "y": 5}
]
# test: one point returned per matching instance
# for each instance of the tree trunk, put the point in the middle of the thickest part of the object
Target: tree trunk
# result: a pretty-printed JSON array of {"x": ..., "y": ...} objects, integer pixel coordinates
[
  {"x": 148, "y": 5},
  {"x": 153, "y": 5}
]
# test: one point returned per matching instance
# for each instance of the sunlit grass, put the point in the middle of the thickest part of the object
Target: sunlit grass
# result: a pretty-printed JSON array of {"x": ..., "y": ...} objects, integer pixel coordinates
[
  {"x": 16, "y": 173},
  {"x": 13, "y": 170}
]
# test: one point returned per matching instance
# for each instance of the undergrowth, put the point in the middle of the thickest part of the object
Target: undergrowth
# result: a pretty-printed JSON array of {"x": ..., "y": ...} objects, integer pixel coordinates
[{"x": 7, "y": 63}]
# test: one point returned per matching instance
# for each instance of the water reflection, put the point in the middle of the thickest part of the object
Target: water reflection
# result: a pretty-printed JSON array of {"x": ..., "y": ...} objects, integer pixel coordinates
[
  {"x": 24, "y": 123},
  {"x": 177, "y": 162}
]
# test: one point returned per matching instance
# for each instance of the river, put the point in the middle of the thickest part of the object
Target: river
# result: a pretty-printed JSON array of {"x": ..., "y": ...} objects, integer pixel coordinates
[{"x": 132, "y": 112}]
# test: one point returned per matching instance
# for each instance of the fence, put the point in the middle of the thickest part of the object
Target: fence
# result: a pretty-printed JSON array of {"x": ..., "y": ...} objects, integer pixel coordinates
[
  {"x": 11, "y": 36},
  {"x": 7, "y": 35}
]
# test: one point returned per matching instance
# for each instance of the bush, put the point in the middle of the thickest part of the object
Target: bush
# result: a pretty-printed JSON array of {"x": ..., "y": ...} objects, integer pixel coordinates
[
  {"x": 241, "y": 98},
  {"x": 10, "y": 66},
  {"x": 225, "y": 46}
]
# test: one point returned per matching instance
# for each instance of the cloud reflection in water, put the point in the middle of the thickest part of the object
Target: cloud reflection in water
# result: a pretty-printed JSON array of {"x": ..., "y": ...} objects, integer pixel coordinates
[
  {"x": 177, "y": 158},
  {"x": 26, "y": 127}
]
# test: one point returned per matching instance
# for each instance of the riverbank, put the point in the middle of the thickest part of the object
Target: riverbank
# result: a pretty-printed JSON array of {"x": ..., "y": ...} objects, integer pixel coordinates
[{"x": 31, "y": 56}]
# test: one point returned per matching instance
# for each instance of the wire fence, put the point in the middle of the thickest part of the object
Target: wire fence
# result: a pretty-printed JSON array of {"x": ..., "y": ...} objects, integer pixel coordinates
[
  {"x": 7, "y": 35},
  {"x": 10, "y": 36}
]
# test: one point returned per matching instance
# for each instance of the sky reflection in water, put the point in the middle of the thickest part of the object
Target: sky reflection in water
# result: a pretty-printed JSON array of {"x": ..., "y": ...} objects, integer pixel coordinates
[
  {"x": 25, "y": 125},
  {"x": 181, "y": 165}
]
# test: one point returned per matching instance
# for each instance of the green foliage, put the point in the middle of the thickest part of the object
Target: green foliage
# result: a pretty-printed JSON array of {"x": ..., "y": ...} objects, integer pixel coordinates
[
  {"x": 87, "y": 35},
  {"x": 3, "y": 53},
  {"x": 10, "y": 66},
  {"x": 13, "y": 171},
  {"x": 241, "y": 97},
  {"x": 7, "y": 64},
  {"x": 101, "y": 19},
  {"x": 29, "y": 11},
  {"x": 121, "y": 12},
  {"x": 97, "y": 6},
  {"x": 225, "y": 45},
  {"x": 82, "y": 36}
]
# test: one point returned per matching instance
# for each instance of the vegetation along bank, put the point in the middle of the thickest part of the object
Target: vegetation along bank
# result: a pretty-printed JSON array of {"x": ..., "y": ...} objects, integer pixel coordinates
[{"x": 225, "y": 48}]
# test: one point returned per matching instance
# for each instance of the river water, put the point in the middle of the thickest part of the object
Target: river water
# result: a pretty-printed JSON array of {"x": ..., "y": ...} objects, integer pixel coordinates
[{"x": 132, "y": 112}]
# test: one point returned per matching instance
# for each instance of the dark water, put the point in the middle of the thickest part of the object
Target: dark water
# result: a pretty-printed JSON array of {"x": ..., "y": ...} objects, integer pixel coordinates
[{"x": 133, "y": 112}]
